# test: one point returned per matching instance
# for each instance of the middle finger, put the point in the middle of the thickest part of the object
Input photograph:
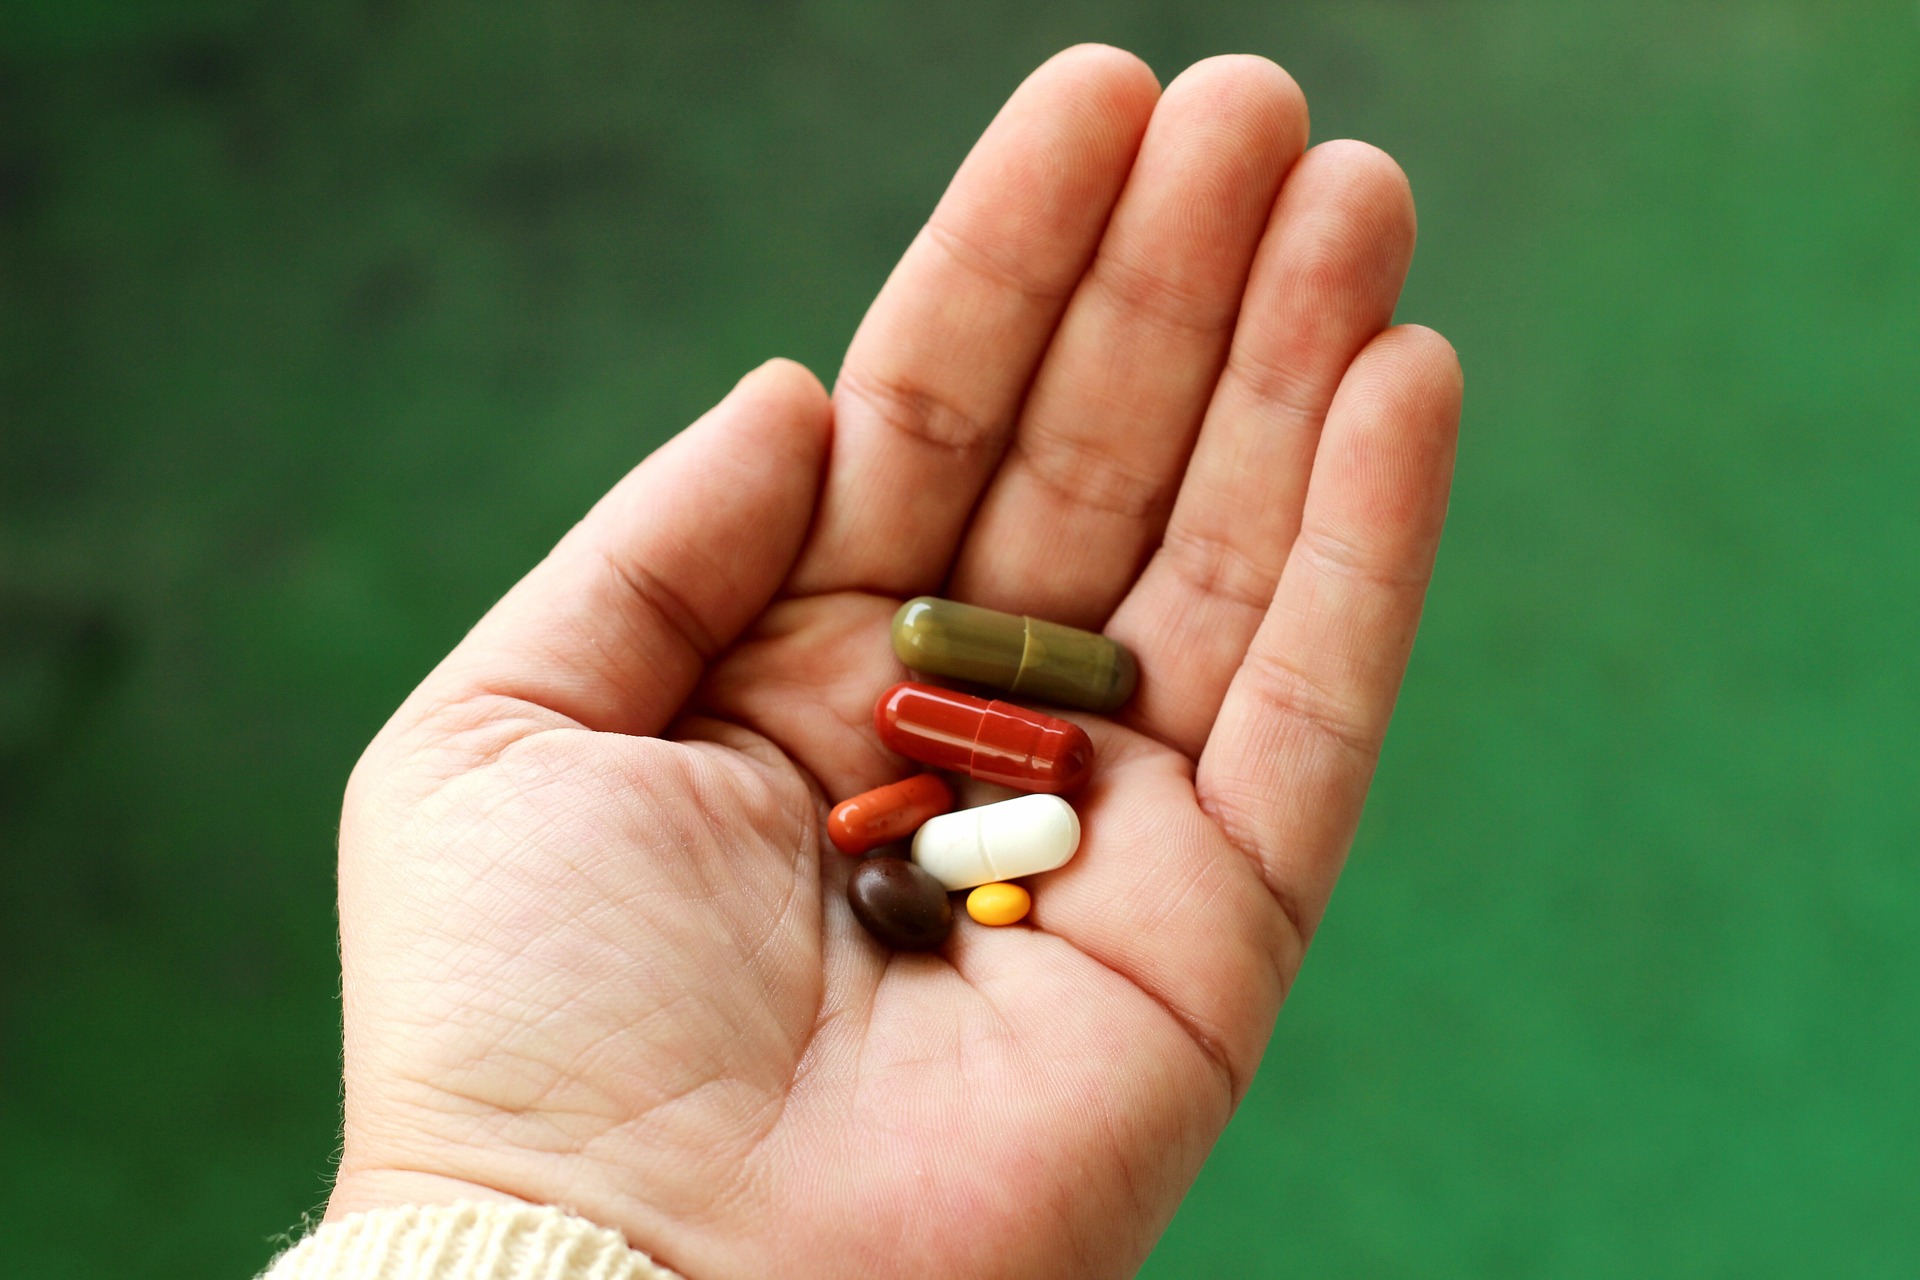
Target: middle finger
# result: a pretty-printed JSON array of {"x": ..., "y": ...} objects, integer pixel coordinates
[{"x": 1115, "y": 406}]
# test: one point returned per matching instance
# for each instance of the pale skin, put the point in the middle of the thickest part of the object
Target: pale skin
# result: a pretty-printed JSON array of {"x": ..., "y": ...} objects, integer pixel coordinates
[{"x": 1137, "y": 374}]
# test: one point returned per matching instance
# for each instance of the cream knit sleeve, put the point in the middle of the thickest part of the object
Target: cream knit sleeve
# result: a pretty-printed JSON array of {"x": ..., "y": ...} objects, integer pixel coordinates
[{"x": 465, "y": 1241}]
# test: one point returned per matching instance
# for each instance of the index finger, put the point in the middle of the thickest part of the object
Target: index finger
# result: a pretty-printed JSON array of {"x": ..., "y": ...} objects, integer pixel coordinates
[{"x": 934, "y": 378}]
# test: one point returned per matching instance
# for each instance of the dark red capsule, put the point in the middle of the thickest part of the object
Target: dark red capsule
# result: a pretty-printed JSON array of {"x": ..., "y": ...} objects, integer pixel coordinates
[{"x": 991, "y": 741}]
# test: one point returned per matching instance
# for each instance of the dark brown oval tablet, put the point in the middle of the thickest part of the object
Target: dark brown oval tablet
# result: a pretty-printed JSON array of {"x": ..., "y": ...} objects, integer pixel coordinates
[{"x": 900, "y": 904}]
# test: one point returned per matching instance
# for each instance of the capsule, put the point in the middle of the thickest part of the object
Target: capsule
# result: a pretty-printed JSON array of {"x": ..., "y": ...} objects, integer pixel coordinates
[
  {"x": 1029, "y": 657},
  {"x": 888, "y": 813},
  {"x": 991, "y": 741},
  {"x": 1019, "y": 837}
]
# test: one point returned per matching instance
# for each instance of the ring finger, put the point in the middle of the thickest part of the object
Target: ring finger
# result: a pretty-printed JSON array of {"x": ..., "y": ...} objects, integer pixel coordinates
[{"x": 1324, "y": 284}]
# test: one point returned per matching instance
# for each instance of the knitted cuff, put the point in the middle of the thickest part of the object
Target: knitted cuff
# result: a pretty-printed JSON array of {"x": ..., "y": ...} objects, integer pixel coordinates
[{"x": 464, "y": 1241}]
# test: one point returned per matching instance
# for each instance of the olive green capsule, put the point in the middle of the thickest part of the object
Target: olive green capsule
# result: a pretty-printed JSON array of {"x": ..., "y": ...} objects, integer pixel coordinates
[{"x": 1024, "y": 656}]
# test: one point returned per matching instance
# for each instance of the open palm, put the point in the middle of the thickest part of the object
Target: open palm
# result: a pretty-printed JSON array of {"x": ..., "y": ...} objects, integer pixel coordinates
[{"x": 1135, "y": 375}]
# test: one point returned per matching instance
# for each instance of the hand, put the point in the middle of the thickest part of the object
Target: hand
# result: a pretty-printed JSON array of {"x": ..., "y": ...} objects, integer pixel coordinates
[{"x": 1134, "y": 374}]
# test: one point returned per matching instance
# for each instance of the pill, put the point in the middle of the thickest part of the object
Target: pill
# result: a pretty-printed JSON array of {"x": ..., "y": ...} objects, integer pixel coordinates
[
  {"x": 1018, "y": 837},
  {"x": 1029, "y": 657},
  {"x": 900, "y": 904},
  {"x": 992, "y": 741},
  {"x": 999, "y": 903},
  {"x": 888, "y": 813}
]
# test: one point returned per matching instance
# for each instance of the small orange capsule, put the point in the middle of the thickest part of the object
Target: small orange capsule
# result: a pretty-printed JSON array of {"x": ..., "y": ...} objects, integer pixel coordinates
[
  {"x": 999, "y": 903},
  {"x": 886, "y": 814}
]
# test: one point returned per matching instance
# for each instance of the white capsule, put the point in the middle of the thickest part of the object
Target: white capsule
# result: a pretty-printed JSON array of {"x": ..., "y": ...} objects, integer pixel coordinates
[{"x": 1019, "y": 837}]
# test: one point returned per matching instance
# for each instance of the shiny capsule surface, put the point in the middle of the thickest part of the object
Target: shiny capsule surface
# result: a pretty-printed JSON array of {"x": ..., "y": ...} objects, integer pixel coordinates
[
  {"x": 1027, "y": 657},
  {"x": 900, "y": 904},
  {"x": 991, "y": 741},
  {"x": 999, "y": 904},
  {"x": 1019, "y": 837},
  {"x": 888, "y": 813}
]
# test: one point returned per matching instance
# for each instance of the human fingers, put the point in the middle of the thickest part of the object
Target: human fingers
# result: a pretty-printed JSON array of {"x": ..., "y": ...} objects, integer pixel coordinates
[
  {"x": 613, "y": 628},
  {"x": 1104, "y": 435},
  {"x": 936, "y": 373},
  {"x": 1207, "y": 907},
  {"x": 1286, "y": 769},
  {"x": 1324, "y": 283}
]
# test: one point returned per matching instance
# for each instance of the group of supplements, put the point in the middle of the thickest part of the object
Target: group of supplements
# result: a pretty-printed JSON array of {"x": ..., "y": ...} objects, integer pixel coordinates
[{"x": 903, "y": 901}]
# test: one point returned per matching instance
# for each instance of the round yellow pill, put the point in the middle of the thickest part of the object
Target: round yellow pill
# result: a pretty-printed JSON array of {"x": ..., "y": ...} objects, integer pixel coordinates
[{"x": 999, "y": 903}]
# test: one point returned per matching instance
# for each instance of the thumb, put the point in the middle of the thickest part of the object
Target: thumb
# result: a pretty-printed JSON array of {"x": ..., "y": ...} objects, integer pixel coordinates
[{"x": 614, "y": 627}]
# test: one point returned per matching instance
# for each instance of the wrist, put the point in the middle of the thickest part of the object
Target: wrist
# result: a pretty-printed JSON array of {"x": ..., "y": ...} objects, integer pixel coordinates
[
  {"x": 497, "y": 1238},
  {"x": 497, "y": 1178},
  {"x": 365, "y": 1190}
]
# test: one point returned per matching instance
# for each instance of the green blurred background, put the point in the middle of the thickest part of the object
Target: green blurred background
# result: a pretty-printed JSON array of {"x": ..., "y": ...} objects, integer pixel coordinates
[{"x": 321, "y": 322}]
